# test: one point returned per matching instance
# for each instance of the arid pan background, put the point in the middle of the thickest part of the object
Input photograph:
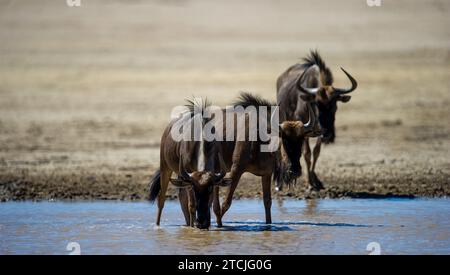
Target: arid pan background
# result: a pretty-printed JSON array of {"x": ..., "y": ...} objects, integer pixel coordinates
[{"x": 85, "y": 92}]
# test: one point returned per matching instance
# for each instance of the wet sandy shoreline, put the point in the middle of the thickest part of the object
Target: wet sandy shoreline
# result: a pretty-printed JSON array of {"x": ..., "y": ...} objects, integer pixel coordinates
[{"x": 135, "y": 187}]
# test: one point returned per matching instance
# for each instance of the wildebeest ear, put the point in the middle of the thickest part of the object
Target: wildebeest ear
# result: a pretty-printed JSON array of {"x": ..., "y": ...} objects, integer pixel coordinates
[
  {"x": 344, "y": 98},
  {"x": 180, "y": 183}
]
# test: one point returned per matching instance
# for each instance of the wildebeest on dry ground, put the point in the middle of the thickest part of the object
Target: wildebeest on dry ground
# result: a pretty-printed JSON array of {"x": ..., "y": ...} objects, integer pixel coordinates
[
  {"x": 295, "y": 96},
  {"x": 201, "y": 165}
]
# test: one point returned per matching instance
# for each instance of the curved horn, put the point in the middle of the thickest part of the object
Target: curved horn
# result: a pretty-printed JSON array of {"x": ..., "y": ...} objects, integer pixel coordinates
[
  {"x": 310, "y": 91},
  {"x": 183, "y": 180},
  {"x": 180, "y": 183},
  {"x": 311, "y": 121},
  {"x": 339, "y": 91},
  {"x": 220, "y": 181},
  {"x": 219, "y": 176},
  {"x": 185, "y": 176},
  {"x": 272, "y": 116}
]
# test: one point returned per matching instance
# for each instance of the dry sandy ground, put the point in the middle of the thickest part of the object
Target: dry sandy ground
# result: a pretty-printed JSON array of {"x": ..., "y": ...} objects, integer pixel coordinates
[{"x": 85, "y": 92}]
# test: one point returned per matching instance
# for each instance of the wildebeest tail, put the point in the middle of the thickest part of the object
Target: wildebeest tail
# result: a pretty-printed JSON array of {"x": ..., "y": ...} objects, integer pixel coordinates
[{"x": 155, "y": 186}]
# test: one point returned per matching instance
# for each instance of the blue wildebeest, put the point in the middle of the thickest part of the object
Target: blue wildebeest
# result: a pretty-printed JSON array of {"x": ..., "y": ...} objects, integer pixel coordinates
[
  {"x": 198, "y": 166},
  {"x": 233, "y": 154},
  {"x": 310, "y": 85}
]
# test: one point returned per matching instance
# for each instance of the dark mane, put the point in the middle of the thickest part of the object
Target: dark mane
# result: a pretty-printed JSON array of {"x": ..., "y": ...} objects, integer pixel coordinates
[
  {"x": 314, "y": 58},
  {"x": 246, "y": 99},
  {"x": 195, "y": 103}
]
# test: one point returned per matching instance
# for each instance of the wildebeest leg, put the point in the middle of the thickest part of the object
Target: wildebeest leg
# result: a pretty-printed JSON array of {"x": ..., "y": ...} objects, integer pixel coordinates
[
  {"x": 240, "y": 159},
  {"x": 165, "y": 176},
  {"x": 235, "y": 177},
  {"x": 216, "y": 206},
  {"x": 307, "y": 156},
  {"x": 267, "y": 197},
  {"x": 316, "y": 184},
  {"x": 184, "y": 200},
  {"x": 191, "y": 206}
]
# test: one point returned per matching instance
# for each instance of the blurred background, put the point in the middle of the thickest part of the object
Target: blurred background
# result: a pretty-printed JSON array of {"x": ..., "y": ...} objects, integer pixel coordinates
[{"x": 85, "y": 92}]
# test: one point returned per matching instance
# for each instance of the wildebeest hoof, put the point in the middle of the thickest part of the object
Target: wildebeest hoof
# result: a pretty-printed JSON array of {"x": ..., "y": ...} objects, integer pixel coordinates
[
  {"x": 202, "y": 226},
  {"x": 315, "y": 183}
]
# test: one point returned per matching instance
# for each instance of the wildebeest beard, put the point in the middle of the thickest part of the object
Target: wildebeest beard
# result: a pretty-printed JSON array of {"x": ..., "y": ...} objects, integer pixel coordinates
[
  {"x": 287, "y": 171},
  {"x": 203, "y": 209},
  {"x": 327, "y": 114}
]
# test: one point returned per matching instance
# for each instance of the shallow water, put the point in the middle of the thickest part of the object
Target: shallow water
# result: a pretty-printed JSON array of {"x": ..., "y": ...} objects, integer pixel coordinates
[{"x": 398, "y": 226}]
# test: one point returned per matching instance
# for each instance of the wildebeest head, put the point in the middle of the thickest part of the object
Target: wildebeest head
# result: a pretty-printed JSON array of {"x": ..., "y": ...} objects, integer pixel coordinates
[
  {"x": 292, "y": 135},
  {"x": 319, "y": 76},
  {"x": 202, "y": 185}
]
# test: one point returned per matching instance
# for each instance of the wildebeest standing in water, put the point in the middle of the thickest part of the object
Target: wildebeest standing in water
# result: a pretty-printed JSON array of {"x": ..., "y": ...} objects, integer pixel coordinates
[
  {"x": 314, "y": 77},
  {"x": 199, "y": 168},
  {"x": 236, "y": 157},
  {"x": 246, "y": 156}
]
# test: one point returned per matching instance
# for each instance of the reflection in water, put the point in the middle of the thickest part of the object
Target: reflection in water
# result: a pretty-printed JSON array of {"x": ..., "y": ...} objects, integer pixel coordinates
[
  {"x": 311, "y": 207},
  {"x": 280, "y": 206},
  {"x": 299, "y": 227},
  {"x": 254, "y": 227},
  {"x": 274, "y": 227}
]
